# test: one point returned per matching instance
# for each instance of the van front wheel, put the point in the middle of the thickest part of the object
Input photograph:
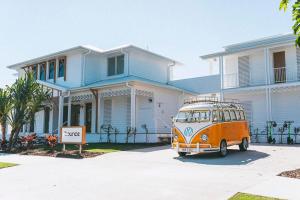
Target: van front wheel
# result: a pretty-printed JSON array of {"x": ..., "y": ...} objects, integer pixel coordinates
[
  {"x": 182, "y": 154},
  {"x": 223, "y": 148},
  {"x": 244, "y": 145}
]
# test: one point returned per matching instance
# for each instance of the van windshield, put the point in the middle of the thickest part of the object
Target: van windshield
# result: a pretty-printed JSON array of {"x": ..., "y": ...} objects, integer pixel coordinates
[{"x": 193, "y": 116}]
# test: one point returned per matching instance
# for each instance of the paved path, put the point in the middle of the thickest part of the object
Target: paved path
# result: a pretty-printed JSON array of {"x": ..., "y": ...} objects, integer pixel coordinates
[{"x": 153, "y": 173}]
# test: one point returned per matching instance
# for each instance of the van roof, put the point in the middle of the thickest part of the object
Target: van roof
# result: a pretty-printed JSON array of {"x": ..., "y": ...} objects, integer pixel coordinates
[{"x": 209, "y": 106}]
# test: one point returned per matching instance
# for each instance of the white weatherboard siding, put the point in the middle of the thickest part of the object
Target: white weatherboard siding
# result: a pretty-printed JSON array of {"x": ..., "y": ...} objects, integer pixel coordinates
[
  {"x": 148, "y": 66},
  {"x": 264, "y": 97}
]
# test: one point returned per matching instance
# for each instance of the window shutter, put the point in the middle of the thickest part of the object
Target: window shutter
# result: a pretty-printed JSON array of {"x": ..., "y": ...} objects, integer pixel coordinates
[{"x": 244, "y": 71}]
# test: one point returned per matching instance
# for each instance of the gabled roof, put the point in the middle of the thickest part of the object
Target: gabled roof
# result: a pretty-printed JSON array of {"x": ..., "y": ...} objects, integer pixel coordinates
[
  {"x": 252, "y": 44},
  {"x": 84, "y": 48}
]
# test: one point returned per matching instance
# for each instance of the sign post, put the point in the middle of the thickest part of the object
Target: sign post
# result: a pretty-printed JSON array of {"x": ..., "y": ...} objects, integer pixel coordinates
[{"x": 73, "y": 135}]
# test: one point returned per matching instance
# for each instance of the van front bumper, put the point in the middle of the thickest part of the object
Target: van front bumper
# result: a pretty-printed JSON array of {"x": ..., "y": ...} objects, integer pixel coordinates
[{"x": 194, "y": 148}]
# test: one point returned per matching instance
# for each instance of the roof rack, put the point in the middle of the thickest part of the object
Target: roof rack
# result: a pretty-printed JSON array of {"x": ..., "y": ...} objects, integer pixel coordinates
[{"x": 214, "y": 100}]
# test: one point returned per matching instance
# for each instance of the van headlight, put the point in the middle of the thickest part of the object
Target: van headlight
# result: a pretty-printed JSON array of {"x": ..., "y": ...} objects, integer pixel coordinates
[
  {"x": 204, "y": 137},
  {"x": 175, "y": 137}
]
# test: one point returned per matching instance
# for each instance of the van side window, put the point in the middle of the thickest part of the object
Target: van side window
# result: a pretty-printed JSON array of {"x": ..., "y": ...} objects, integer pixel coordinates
[
  {"x": 215, "y": 116},
  {"x": 226, "y": 115},
  {"x": 221, "y": 115},
  {"x": 242, "y": 115},
  {"x": 232, "y": 115},
  {"x": 238, "y": 116}
]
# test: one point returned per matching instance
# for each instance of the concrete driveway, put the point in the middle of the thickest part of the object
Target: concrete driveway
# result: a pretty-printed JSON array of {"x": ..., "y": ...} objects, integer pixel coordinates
[{"x": 153, "y": 173}]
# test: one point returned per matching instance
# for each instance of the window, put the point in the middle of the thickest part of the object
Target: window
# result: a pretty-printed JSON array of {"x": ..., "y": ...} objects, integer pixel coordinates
[
  {"x": 193, "y": 116},
  {"x": 221, "y": 115},
  {"x": 232, "y": 115},
  {"x": 237, "y": 113},
  {"x": 226, "y": 115},
  {"x": 215, "y": 116},
  {"x": 43, "y": 71},
  {"x": 115, "y": 65},
  {"x": 62, "y": 67},
  {"x": 242, "y": 115},
  {"x": 34, "y": 71},
  {"x": 51, "y": 72}
]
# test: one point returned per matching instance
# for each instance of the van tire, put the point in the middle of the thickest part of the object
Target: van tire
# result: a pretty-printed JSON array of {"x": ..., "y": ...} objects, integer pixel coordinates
[
  {"x": 244, "y": 145},
  {"x": 223, "y": 148},
  {"x": 182, "y": 154}
]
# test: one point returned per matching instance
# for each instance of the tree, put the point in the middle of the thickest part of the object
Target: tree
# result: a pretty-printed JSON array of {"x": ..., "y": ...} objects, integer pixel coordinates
[
  {"x": 296, "y": 17},
  {"x": 27, "y": 98},
  {"x": 5, "y": 107}
]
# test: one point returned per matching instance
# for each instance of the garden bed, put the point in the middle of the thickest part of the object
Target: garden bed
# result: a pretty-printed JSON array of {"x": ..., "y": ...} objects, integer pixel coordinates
[
  {"x": 89, "y": 150},
  {"x": 291, "y": 174},
  {"x": 66, "y": 154}
]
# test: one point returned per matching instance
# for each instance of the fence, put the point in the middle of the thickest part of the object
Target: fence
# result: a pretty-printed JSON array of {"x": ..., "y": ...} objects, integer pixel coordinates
[
  {"x": 259, "y": 134},
  {"x": 128, "y": 137}
]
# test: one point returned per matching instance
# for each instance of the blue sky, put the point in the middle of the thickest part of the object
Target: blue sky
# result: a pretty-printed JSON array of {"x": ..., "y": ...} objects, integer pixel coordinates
[{"x": 179, "y": 29}]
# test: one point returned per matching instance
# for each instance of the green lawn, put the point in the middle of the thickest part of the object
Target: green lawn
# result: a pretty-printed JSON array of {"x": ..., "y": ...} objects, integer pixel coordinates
[
  {"x": 244, "y": 196},
  {"x": 104, "y": 147},
  {"x": 4, "y": 165}
]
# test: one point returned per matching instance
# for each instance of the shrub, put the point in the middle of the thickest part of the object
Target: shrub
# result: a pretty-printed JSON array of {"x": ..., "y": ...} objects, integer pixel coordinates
[{"x": 52, "y": 141}]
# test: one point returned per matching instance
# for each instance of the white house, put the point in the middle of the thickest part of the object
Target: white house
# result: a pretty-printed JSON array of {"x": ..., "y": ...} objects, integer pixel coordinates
[
  {"x": 264, "y": 75},
  {"x": 125, "y": 88}
]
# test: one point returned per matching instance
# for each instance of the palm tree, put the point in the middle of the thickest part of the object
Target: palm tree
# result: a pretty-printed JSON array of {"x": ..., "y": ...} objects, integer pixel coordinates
[
  {"x": 284, "y": 4},
  {"x": 5, "y": 107},
  {"x": 27, "y": 97}
]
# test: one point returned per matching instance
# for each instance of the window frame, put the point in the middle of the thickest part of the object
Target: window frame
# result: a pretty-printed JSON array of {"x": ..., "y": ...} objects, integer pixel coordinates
[
  {"x": 64, "y": 58},
  {"x": 233, "y": 118},
  {"x": 242, "y": 114},
  {"x": 115, "y": 69},
  {"x": 54, "y": 69},
  {"x": 44, "y": 69},
  {"x": 226, "y": 120},
  {"x": 237, "y": 114}
]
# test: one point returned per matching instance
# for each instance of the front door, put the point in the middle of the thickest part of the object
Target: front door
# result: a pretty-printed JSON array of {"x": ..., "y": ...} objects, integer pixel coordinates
[
  {"x": 75, "y": 115},
  {"x": 279, "y": 67},
  {"x": 88, "y": 116}
]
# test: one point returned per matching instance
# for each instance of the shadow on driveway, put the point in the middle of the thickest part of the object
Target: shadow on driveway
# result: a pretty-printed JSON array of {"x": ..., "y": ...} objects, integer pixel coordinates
[{"x": 234, "y": 157}]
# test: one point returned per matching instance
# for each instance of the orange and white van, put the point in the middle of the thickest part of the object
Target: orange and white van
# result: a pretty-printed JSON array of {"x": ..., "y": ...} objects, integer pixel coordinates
[{"x": 209, "y": 126}]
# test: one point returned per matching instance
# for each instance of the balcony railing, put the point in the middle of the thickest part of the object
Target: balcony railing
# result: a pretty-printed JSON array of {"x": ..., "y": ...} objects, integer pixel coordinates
[
  {"x": 277, "y": 76},
  {"x": 283, "y": 75}
]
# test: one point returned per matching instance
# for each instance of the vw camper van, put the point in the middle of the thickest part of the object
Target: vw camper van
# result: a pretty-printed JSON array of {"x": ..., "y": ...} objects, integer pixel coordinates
[{"x": 208, "y": 125}]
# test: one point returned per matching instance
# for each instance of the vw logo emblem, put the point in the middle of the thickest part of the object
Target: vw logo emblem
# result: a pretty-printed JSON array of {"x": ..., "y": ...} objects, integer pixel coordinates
[{"x": 188, "y": 132}]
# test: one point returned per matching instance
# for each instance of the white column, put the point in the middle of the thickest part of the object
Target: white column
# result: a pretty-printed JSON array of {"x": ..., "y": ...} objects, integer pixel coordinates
[
  {"x": 132, "y": 107},
  {"x": 60, "y": 112},
  {"x": 51, "y": 120},
  {"x": 267, "y": 82},
  {"x": 99, "y": 111},
  {"x": 69, "y": 109},
  {"x": 221, "y": 69}
]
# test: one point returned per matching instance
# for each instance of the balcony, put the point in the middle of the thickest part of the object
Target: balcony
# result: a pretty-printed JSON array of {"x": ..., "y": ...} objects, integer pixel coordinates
[
  {"x": 277, "y": 76},
  {"x": 235, "y": 80}
]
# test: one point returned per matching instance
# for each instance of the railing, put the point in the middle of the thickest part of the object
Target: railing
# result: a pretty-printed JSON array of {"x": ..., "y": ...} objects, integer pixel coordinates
[
  {"x": 231, "y": 80},
  {"x": 283, "y": 75},
  {"x": 277, "y": 75}
]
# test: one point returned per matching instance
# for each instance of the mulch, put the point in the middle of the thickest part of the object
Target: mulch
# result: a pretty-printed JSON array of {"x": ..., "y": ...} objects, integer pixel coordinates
[
  {"x": 291, "y": 174},
  {"x": 66, "y": 154}
]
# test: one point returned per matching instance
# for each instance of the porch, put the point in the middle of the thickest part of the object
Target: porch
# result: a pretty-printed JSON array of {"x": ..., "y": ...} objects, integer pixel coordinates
[{"x": 115, "y": 114}]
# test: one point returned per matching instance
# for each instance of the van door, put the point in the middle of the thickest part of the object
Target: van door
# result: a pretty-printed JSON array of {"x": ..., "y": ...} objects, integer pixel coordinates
[{"x": 226, "y": 126}]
